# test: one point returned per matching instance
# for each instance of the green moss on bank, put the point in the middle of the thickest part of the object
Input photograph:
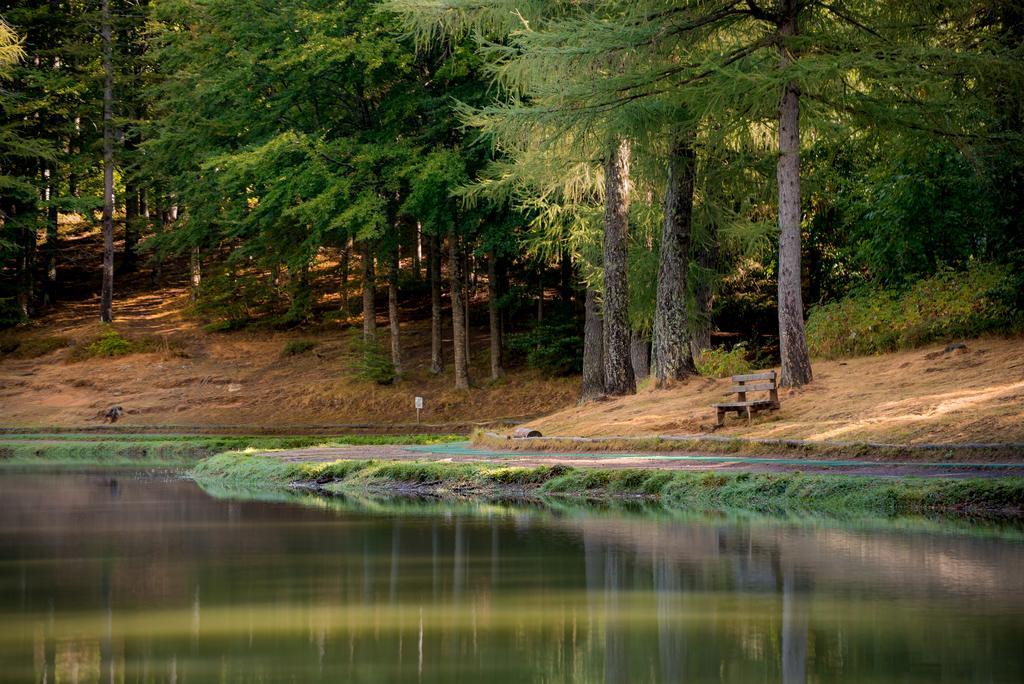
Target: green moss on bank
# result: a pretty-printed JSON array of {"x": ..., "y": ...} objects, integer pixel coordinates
[
  {"x": 760, "y": 492},
  {"x": 172, "y": 451}
]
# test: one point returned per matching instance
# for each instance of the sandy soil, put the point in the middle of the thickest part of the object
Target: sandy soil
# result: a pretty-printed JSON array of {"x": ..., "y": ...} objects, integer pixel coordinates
[
  {"x": 242, "y": 379},
  {"x": 920, "y": 396}
]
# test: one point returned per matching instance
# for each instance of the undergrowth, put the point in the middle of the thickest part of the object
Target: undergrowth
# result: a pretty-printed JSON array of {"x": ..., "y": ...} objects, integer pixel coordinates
[
  {"x": 947, "y": 306},
  {"x": 719, "y": 363}
]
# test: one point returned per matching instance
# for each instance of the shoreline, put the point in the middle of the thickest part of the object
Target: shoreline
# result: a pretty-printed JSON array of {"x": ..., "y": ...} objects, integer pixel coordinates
[{"x": 773, "y": 492}]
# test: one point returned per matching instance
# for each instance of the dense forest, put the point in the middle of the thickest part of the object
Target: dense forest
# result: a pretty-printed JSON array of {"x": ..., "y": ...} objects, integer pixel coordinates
[{"x": 629, "y": 188}]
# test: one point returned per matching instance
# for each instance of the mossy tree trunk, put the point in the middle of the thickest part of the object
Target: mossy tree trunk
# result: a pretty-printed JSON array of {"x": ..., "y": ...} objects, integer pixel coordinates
[
  {"x": 436, "y": 347},
  {"x": 796, "y": 362},
  {"x": 459, "y": 337},
  {"x": 670, "y": 357},
  {"x": 107, "y": 289},
  {"x": 369, "y": 284},
  {"x": 393, "y": 321},
  {"x": 593, "y": 345},
  {"x": 618, "y": 368},
  {"x": 493, "y": 296}
]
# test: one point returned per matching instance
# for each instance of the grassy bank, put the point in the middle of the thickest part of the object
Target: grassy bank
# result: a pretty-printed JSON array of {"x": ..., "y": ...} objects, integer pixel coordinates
[
  {"x": 774, "y": 492},
  {"x": 742, "y": 446},
  {"x": 172, "y": 451}
]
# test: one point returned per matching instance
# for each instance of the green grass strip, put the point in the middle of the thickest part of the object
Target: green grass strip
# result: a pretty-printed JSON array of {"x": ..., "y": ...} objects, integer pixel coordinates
[
  {"x": 759, "y": 492},
  {"x": 166, "y": 450}
]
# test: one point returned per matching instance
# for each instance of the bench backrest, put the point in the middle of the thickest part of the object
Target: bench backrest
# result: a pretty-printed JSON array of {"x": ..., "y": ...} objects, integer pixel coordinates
[{"x": 755, "y": 382}]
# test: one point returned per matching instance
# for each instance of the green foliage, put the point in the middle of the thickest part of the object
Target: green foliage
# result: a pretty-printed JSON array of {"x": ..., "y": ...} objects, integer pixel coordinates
[
  {"x": 297, "y": 347},
  {"x": 949, "y": 305},
  {"x": 719, "y": 363},
  {"x": 554, "y": 346},
  {"x": 109, "y": 343},
  {"x": 370, "y": 360}
]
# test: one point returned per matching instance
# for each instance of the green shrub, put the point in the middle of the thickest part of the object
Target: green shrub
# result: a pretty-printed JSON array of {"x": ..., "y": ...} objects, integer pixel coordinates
[
  {"x": 227, "y": 325},
  {"x": 719, "y": 363},
  {"x": 554, "y": 346},
  {"x": 371, "y": 363},
  {"x": 110, "y": 343},
  {"x": 296, "y": 347},
  {"x": 949, "y": 305}
]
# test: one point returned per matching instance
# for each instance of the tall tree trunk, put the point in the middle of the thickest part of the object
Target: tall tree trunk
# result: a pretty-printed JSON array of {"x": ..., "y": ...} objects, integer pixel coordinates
[
  {"x": 131, "y": 227},
  {"x": 369, "y": 308},
  {"x": 25, "y": 240},
  {"x": 593, "y": 355},
  {"x": 50, "y": 291},
  {"x": 436, "y": 348},
  {"x": 459, "y": 338},
  {"x": 618, "y": 369},
  {"x": 196, "y": 271},
  {"x": 671, "y": 357},
  {"x": 704, "y": 291},
  {"x": 346, "y": 253},
  {"x": 467, "y": 298},
  {"x": 107, "y": 292},
  {"x": 640, "y": 355},
  {"x": 493, "y": 295},
  {"x": 417, "y": 251},
  {"x": 540, "y": 293},
  {"x": 393, "y": 322},
  {"x": 796, "y": 362}
]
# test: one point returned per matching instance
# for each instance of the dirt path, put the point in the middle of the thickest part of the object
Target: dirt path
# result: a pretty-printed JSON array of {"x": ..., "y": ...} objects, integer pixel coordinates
[{"x": 463, "y": 452}]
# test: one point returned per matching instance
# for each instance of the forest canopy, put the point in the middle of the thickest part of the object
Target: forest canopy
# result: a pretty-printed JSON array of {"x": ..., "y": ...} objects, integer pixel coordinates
[{"x": 628, "y": 188}]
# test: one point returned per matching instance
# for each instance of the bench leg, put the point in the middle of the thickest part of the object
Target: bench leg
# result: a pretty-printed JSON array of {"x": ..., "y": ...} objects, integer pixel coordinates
[
  {"x": 749, "y": 416},
  {"x": 721, "y": 418}
]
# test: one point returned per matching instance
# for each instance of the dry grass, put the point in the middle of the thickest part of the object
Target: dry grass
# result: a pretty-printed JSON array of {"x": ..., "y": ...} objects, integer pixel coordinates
[
  {"x": 918, "y": 396},
  {"x": 193, "y": 378}
]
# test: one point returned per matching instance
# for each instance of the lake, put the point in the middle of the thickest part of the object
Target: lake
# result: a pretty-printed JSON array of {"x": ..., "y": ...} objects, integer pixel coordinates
[{"x": 149, "y": 578}]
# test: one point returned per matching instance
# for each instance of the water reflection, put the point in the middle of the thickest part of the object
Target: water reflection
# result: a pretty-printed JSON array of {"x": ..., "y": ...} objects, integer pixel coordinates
[{"x": 156, "y": 581}]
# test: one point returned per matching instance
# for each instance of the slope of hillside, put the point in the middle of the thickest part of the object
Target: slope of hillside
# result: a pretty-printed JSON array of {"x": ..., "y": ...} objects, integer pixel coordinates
[
  {"x": 920, "y": 396},
  {"x": 192, "y": 378}
]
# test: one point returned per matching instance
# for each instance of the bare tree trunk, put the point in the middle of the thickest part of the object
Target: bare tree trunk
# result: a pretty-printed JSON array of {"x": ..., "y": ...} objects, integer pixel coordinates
[
  {"x": 640, "y": 355},
  {"x": 703, "y": 292},
  {"x": 671, "y": 358},
  {"x": 131, "y": 227},
  {"x": 346, "y": 253},
  {"x": 436, "y": 348},
  {"x": 618, "y": 370},
  {"x": 459, "y": 341},
  {"x": 540, "y": 293},
  {"x": 593, "y": 356},
  {"x": 796, "y": 362},
  {"x": 468, "y": 298},
  {"x": 107, "y": 292},
  {"x": 417, "y": 251},
  {"x": 196, "y": 269},
  {"x": 493, "y": 295},
  {"x": 393, "y": 322},
  {"x": 369, "y": 308},
  {"x": 50, "y": 291}
]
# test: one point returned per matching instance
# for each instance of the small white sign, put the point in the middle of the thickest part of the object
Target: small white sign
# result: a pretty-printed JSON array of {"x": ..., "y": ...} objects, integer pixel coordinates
[{"x": 419, "y": 403}]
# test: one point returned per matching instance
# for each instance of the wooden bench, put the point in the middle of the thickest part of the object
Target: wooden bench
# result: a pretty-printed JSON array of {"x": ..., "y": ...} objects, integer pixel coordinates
[{"x": 752, "y": 382}]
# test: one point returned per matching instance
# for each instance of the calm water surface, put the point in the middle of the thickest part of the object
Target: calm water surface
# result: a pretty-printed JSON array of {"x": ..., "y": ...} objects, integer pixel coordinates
[{"x": 130, "y": 578}]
